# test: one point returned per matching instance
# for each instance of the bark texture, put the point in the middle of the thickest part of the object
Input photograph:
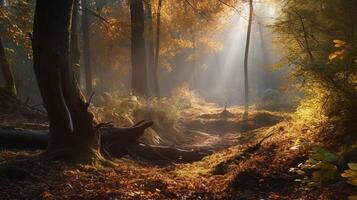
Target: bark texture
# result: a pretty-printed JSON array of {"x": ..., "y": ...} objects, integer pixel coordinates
[
  {"x": 150, "y": 50},
  {"x": 10, "y": 86},
  {"x": 138, "y": 55}
]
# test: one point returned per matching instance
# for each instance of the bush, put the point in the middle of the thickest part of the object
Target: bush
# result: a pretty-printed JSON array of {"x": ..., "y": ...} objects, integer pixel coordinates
[{"x": 332, "y": 112}]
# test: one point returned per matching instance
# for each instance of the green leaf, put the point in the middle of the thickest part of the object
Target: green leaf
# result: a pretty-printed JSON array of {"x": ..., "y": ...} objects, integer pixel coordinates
[{"x": 322, "y": 154}]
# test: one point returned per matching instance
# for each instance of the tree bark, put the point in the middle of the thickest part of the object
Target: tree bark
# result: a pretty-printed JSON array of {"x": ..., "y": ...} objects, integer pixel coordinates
[
  {"x": 10, "y": 86},
  {"x": 87, "y": 48},
  {"x": 74, "y": 51},
  {"x": 72, "y": 136},
  {"x": 157, "y": 50},
  {"x": 150, "y": 47},
  {"x": 246, "y": 55},
  {"x": 138, "y": 56}
]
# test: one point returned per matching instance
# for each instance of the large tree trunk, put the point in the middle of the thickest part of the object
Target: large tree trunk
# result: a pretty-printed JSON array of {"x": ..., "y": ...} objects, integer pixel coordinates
[
  {"x": 138, "y": 56},
  {"x": 246, "y": 87},
  {"x": 157, "y": 50},
  {"x": 9, "y": 80},
  {"x": 74, "y": 51},
  {"x": 72, "y": 136},
  {"x": 87, "y": 48}
]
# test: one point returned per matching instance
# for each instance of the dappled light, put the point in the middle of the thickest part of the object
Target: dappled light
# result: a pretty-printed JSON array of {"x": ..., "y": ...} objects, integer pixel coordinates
[{"x": 178, "y": 99}]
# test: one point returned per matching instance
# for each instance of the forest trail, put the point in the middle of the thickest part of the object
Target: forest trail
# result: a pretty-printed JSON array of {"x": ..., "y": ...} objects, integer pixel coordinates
[{"x": 218, "y": 129}]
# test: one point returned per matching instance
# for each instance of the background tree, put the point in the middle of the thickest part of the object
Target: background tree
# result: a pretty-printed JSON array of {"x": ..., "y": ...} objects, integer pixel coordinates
[
  {"x": 246, "y": 55},
  {"x": 112, "y": 64},
  {"x": 138, "y": 54},
  {"x": 9, "y": 80},
  {"x": 149, "y": 41},
  {"x": 157, "y": 48}
]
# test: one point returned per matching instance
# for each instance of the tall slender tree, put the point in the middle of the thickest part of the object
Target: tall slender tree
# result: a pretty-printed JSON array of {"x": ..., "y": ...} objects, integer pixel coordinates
[
  {"x": 157, "y": 49},
  {"x": 72, "y": 136},
  {"x": 138, "y": 55},
  {"x": 246, "y": 55}
]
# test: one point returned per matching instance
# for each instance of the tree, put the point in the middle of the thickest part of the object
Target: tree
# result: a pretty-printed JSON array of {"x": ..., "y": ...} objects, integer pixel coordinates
[
  {"x": 10, "y": 86},
  {"x": 319, "y": 39},
  {"x": 87, "y": 47},
  {"x": 157, "y": 48},
  {"x": 72, "y": 136},
  {"x": 138, "y": 55},
  {"x": 246, "y": 55},
  {"x": 175, "y": 38},
  {"x": 151, "y": 58}
]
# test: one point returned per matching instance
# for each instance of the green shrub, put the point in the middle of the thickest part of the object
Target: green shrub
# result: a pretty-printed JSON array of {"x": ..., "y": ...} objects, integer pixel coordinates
[{"x": 323, "y": 165}]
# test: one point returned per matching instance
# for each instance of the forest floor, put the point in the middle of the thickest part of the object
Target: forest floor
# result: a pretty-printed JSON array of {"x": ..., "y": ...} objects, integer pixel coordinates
[{"x": 253, "y": 160}]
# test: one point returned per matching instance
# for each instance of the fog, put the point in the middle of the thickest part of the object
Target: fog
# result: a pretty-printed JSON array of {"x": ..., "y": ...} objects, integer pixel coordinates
[{"x": 219, "y": 76}]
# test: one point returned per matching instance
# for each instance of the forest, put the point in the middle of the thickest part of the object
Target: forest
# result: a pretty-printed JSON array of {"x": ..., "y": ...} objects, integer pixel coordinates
[{"x": 178, "y": 99}]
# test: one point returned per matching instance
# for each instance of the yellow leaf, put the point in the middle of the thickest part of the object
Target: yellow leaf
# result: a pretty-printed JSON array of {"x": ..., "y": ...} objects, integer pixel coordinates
[
  {"x": 332, "y": 56},
  {"x": 340, "y": 42},
  {"x": 352, "y": 166}
]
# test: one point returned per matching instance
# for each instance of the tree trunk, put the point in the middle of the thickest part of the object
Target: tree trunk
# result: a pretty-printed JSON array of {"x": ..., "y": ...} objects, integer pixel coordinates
[
  {"x": 246, "y": 88},
  {"x": 138, "y": 56},
  {"x": 10, "y": 86},
  {"x": 195, "y": 82},
  {"x": 75, "y": 54},
  {"x": 87, "y": 48},
  {"x": 157, "y": 50},
  {"x": 150, "y": 47},
  {"x": 72, "y": 136}
]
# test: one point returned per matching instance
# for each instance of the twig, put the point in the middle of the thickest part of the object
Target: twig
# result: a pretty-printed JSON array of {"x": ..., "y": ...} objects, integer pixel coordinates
[{"x": 94, "y": 14}]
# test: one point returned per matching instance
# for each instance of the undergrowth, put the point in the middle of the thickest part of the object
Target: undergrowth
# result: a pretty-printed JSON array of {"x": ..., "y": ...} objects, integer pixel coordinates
[{"x": 125, "y": 109}]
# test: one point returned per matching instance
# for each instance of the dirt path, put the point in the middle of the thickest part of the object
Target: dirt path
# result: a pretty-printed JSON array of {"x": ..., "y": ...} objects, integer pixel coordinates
[{"x": 216, "y": 131}]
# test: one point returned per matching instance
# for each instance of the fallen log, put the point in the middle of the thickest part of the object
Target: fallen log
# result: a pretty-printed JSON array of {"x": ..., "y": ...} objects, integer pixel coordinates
[
  {"x": 164, "y": 153},
  {"x": 20, "y": 138},
  {"x": 115, "y": 143}
]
